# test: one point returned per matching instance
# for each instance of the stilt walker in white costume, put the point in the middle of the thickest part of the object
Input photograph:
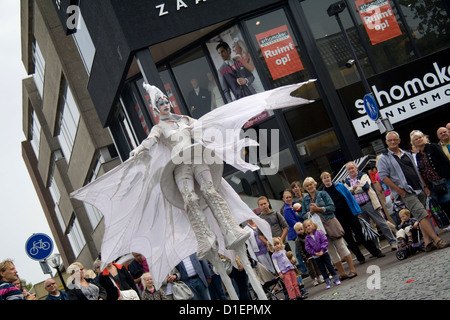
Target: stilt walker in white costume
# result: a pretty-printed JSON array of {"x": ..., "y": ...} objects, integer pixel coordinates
[
  {"x": 175, "y": 133},
  {"x": 188, "y": 183}
]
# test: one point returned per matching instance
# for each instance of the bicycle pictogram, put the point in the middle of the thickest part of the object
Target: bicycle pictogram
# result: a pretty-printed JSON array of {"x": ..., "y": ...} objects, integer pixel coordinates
[{"x": 38, "y": 245}]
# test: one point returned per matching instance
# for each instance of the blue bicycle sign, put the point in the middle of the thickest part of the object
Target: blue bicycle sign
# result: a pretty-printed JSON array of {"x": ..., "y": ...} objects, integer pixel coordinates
[{"x": 39, "y": 246}]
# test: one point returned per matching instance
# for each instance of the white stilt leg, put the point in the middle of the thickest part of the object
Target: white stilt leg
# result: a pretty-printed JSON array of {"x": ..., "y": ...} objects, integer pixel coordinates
[
  {"x": 214, "y": 258},
  {"x": 256, "y": 285}
]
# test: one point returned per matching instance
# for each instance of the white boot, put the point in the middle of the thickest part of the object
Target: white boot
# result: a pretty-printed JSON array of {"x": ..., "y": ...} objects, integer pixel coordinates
[
  {"x": 233, "y": 234},
  {"x": 206, "y": 239}
]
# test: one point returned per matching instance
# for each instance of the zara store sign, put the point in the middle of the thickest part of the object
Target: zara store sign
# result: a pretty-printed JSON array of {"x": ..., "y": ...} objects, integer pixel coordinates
[
  {"x": 180, "y": 4},
  {"x": 402, "y": 93}
]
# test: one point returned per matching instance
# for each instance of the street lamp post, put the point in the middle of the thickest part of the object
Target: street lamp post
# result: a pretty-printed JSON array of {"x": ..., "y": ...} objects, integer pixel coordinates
[
  {"x": 55, "y": 261},
  {"x": 383, "y": 124},
  {"x": 334, "y": 10}
]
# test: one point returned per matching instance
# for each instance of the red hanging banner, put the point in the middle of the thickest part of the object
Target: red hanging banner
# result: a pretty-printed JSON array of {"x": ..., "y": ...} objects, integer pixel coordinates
[
  {"x": 279, "y": 51},
  {"x": 379, "y": 20}
]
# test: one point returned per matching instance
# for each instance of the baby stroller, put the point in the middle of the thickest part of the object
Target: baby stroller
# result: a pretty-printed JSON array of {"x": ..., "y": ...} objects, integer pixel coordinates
[
  {"x": 397, "y": 206},
  {"x": 273, "y": 287},
  {"x": 408, "y": 250}
]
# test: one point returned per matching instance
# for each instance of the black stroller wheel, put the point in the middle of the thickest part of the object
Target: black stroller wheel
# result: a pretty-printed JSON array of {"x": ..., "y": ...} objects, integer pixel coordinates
[{"x": 401, "y": 255}]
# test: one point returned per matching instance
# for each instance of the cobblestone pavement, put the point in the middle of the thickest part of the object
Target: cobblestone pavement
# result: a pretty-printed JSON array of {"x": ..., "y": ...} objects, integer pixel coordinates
[{"x": 423, "y": 276}]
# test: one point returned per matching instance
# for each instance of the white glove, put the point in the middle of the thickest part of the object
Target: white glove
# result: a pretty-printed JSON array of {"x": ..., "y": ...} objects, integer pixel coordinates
[
  {"x": 145, "y": 145},
  {"x": 135, "y": 152}
]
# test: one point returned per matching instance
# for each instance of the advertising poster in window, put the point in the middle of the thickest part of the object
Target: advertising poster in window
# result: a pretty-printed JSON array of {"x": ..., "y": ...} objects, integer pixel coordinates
[
  {"x": 279, "y": 52},
  {"x": 142, "y": 119},
  {"x": 235, "y": 67},
  {"x": 378, "y": 19}
]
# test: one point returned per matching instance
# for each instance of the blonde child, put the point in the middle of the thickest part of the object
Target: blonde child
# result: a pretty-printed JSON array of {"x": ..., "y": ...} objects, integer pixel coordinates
[
  {"x": 316, "y": 244},
  {"x": 407, "y": 229},
  {"x": 313, "y": 269},
  {"x": 150, "y": 292},
  {"x": 285, "y": 269}
]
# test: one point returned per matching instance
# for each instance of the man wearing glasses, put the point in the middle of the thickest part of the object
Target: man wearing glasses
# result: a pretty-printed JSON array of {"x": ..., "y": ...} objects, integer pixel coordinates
[
  {"x": 53, "y": 293},
  {"x": 398, "y": 170},
  {"x": 444, "y": 140}
]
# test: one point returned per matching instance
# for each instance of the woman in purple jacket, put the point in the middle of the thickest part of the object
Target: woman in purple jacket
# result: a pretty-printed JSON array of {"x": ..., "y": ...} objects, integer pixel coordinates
[{"x": 316, "y": 244}]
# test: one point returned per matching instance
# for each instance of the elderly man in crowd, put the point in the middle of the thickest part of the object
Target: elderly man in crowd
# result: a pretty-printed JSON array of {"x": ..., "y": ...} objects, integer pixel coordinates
[
  {"x": 54, "y": 293},
  {"x": 444, "y": 139},
  {"x": 398, "y": 170},
  {"x": 359, "y": 184}
]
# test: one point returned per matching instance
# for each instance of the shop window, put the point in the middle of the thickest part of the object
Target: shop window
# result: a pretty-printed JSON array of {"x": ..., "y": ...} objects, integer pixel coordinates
[
  {"x": 246, "y": 184},
  {"x": 234, "y": 65},
  {"x": 429, "y": 23},
  {"x": 276, "y": 47},
  {"x": 307, "y": 120},
  {"x": 197, "y": 83},
  {"x": 331, "y": 42},
  {"x": 317, "y": 143},
  {"x": 384, "y": 34},
  {"x": 136, "y": 110},
  {"x": 123, "y": 133},
  {"x": 171, "y": 92},
  {"x": 321, "y": 153}
]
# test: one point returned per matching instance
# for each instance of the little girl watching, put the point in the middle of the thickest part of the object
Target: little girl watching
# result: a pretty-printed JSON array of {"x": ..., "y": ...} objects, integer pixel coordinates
[
  {"x": 316, "y": 244},
  {"x": 285, "y": 269}
]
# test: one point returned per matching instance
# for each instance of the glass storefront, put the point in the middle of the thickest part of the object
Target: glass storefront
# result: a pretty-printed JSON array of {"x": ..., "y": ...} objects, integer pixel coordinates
[
  {"x": 263, "y": 52},
  {"x": 276, "y": 47},
  {"x": 196, "y": 82},
  {"x": 385, "y": 34}
]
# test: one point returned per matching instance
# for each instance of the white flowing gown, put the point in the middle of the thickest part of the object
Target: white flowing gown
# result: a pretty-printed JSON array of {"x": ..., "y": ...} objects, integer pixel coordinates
[{"x": 139, "y": 218}]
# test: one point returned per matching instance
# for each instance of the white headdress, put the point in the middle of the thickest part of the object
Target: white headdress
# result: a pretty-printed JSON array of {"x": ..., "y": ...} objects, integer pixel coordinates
[{"x": 155, "y": 95}]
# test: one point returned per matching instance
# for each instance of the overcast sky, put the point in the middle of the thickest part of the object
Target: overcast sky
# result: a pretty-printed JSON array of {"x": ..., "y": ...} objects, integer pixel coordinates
[{"x": 21, "y": 213}]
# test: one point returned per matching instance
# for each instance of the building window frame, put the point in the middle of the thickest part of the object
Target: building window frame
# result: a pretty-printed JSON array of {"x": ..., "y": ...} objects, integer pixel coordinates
[
  {"x": 75, "y": 236},
  {"x": 39, "y": 67},
  {"x": 69, "y": 118},
  {"x": 84, "y": 43},
  {"x": 35, "y": 129}
]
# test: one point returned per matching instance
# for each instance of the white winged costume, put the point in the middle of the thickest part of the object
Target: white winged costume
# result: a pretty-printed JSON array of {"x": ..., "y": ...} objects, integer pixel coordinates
[{"x": 140, "y": 217}]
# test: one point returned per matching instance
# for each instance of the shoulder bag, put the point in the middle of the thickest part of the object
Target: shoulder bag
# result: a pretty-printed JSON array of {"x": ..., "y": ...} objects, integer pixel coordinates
[
  {"x": 181, "y": 291},
  {"x": 129, "y": 295},
  {"x": 439, "y": 186},
  {"x": 333, "y": 227},
  {"x": 126, "y": 294}
]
